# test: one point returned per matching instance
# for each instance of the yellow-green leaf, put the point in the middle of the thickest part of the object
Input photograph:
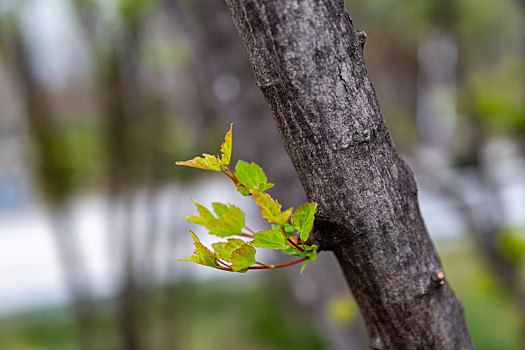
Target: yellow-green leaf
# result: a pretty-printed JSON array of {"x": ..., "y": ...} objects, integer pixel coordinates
[
  {"x": 273, "y": 239},
  {"x": 205, "y": 217},
  {"x": 304, "y": 266},
  {"x": 226, "y": 148},
  {"x": 303, "y": 219},
  {"x": 242, "y": 258},
  {"x": 270, "y": 208},
  {"x": 209, "y": 162},
  {"x": 230, "y": 220},
  {"x": 202, "y": 255},
  {"x": 242, "y": 190},
  {"x": 225, "y": 249},
  {"x": 252, "y": 176},
  {"x": 227, "y": 225},
  {"x": 310, "y": 252}
]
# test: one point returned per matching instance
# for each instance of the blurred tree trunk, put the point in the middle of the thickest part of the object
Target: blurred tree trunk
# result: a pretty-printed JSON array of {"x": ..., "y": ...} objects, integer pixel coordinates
[
  {"x": 219, "y": 65},
  {"x": 116, "y": 57},
  {"x": 308, "y": 63},
  {"x": 54, "y": 177},
  {"x": 121, "y": 100},
  {"x": 486, "y": 218}
]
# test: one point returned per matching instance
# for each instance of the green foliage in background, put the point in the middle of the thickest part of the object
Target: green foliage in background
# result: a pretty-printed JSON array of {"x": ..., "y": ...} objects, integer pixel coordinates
[
  {"x": 258, "y": 318},
  {"x": 289, "y": 230},
  {"x": 498, "y": 97},
  {"x": 512, "y": 244},
  {"x": 492, "y": 317}
]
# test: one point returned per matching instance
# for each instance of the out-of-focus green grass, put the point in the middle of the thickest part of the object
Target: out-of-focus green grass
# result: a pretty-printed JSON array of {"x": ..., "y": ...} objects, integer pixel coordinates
[
  {"x": 256, "y": 316},
  {"x": 42, "y": 330},
  {"x": 492, "y": 318},
  {"x": 208, "y": 315}
]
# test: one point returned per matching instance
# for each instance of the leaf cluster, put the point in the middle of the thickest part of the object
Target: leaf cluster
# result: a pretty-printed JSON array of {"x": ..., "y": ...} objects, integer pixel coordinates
[{"x": 288, "y": 232}]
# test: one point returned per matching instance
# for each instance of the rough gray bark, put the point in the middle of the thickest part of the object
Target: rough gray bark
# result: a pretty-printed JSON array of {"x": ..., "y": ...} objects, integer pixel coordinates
[{"x": 308, "y": 62}]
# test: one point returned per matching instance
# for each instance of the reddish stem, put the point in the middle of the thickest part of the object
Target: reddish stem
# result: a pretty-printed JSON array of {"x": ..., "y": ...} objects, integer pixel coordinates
[
  {"x": 224, "y": 268},
  {"x": 223, "y": 263},
  {"x": 292, "y": 243},
  {"x": 230, "y": 176},
  {"x": 295, "y": 245},
  {"x": 279, "y": 265},
  {"x": 233, "y": 174},
  {"x": 266, "y": 267},
  {"x": 249, "y": 230}
]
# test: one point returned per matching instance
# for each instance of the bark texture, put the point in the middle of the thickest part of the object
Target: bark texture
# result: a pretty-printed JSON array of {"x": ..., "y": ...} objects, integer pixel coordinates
[{"x": 308, "y": 62}]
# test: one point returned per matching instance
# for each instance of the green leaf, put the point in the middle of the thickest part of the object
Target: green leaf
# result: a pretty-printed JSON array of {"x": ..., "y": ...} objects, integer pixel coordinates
[
  {"x": 290, "y": 231},
  {"x": 242, "y": 190},
  {"x": 209, "y": 162},
  {"x": 304, "y": 266},
  {"x": 202, "y": 255},
  {"x": 221, "y": 209},
  {"x": 310, "y": 252},
  {"x": 225, "y": 249},
  {"x": 270, "y": 208},
  {"x": 226, "y": 148},
  {"x": 512, "y": 244},
  {"x": 265, "y": 187},
  {"x": 230, "y": 220},
  {"x": 273, "y": 239},
  {"x": 205, "y": 217},
  {"x": 303, "y": 219},
  {"x": 242, "y": 258},
  {"x": 251, "y": 176}
]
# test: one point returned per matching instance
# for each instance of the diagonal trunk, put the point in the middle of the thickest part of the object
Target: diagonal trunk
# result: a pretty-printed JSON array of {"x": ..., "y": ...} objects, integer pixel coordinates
[{"x": 308, "y": 62}]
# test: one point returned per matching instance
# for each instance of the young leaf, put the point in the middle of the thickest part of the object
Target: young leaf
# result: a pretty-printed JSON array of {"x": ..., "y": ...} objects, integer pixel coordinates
[
  {"x": 310, "y": 252},
  {"x": 205, "y": 217},
  {"x": 304, "y": 266},
  {"x": 303, "y": 219},
  {"x": 230, "y": 219},
  {"x": 242, "y": 190},
  {"x": 251, "y": 176},
  {"x": 202, "y": 255},
  {"x": 289, "y": 229},
  {"x": 225, "y": 249},
  {"x": 264, "y": 187},
  {"x": 229, "y": 223},
  {"x": 226, "y": 148},
  {"x": 273, "y": 239},
  {"x": 270, "y": 208},
  {"x": 242, "y": 258},
  {"x": 221, "y": 209},
  {"x": 209, "y": 162}
]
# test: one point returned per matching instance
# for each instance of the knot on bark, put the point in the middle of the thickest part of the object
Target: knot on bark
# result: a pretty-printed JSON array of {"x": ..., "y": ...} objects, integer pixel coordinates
[
  {"x": 361, "y": 35},
  {"x": 436, "y": 281}
]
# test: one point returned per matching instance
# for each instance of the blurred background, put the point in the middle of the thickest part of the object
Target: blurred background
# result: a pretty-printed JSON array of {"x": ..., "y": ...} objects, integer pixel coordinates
[{"x": 99, "y": 98}]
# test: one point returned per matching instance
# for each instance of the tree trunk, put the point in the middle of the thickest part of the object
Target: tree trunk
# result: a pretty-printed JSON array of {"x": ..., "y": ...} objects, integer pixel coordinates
[{"x": 308, "y": 62}]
